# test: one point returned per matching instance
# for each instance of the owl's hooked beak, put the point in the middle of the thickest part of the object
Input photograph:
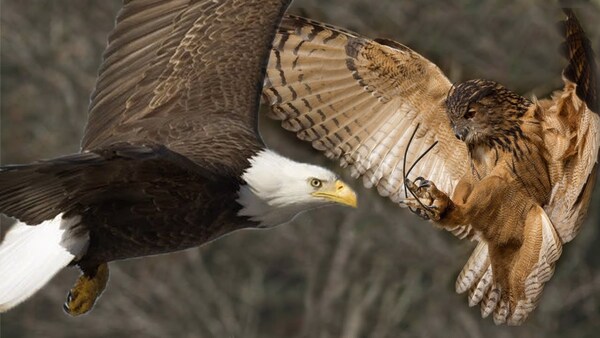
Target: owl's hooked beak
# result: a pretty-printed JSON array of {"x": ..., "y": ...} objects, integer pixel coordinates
[{"x": 460, "y": 132}]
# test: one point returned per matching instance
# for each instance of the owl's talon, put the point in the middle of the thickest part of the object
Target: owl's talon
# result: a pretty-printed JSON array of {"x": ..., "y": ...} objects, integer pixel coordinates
[
  {"x": 423, "y": 214},
  {"x": 428, "y": 202},
  {"x": 424, "y": 184},
  {"x": 411, "y": 185}
]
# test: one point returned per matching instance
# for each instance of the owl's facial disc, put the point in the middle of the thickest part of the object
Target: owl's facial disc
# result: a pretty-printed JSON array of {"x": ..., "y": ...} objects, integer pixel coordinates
[{"x": 483, "y": 111}]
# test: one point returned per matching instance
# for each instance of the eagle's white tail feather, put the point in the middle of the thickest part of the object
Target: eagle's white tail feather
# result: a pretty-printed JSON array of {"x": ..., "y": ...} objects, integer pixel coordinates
[{"x": 31, "y": 255}]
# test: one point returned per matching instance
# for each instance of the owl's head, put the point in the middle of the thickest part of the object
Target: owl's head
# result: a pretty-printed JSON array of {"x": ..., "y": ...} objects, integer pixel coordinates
[{"x": 483, "y": 112}]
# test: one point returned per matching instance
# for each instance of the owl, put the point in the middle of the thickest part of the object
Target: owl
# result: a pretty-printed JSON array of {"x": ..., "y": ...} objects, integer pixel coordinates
[{"x": 477, "y": 159}]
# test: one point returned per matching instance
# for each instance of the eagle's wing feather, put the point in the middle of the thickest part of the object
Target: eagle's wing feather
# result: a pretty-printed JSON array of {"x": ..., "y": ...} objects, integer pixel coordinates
[
  {"x": 360, "y": 100},
  {"x": 69, "y": 182},
  {"x": 573, "y": 133},
  {"x": 177, "y": 72}
]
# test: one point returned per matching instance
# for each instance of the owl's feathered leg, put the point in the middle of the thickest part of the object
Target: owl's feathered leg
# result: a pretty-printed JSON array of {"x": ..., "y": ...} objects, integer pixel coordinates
[
  {"x": 525, "y": 244},
  {"x": 431, "y": 203},
  {"x": 87, "y": 289},
  {"x": 467, "y": 206}
]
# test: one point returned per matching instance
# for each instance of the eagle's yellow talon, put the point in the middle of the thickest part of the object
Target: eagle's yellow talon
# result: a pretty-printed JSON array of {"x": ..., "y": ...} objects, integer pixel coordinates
[{"x": 85, "y": 292}]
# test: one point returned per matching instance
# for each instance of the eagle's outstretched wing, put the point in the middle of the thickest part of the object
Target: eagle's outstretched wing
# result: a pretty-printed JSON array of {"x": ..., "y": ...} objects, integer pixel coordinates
[
  {"x": 176, "y": 72},
  {"x": 360, "y": 100}
]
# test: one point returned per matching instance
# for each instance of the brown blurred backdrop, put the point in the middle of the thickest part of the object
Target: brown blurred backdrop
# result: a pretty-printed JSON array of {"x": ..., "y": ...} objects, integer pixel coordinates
[{"x": 378, "y": 271}]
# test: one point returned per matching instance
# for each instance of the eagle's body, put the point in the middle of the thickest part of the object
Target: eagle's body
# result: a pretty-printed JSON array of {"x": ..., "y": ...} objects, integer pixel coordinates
[
  {"x": 514, "y": 174},
  {"x": 131, "y": 182},
  {"x": 171, "y": 157}
]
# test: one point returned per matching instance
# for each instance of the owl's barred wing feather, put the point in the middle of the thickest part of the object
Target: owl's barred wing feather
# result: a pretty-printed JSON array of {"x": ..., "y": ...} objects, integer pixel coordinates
[
  {"x": 360, "y": 100},
  {"x": 573, "y": 132},
  {"x": 581, "y": 69}
]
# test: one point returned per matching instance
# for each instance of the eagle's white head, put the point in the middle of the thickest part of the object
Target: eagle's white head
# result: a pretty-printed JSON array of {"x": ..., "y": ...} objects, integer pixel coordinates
[{"x": 277, "y": 189}]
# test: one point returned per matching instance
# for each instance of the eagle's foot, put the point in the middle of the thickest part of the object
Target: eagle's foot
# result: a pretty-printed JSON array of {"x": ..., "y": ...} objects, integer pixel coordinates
[
  {"x": 426, "y": 200},
  {"x": 87, "y": 289}
]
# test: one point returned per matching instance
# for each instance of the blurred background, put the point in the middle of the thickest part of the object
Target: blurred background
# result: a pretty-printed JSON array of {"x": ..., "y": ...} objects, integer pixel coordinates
[{"x": 378, "y": 271}]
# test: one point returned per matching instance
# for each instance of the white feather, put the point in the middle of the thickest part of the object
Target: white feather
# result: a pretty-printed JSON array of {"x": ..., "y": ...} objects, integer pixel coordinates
[
  {"x": 31, "y": 255},
  {"x": 277, "y": 188}
]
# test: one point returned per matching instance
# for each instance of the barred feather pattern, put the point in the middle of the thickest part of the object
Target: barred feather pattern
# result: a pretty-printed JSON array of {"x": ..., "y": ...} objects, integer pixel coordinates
[
  {"x": 359, "y": 101},
  {"x": 541, "y": 249}
]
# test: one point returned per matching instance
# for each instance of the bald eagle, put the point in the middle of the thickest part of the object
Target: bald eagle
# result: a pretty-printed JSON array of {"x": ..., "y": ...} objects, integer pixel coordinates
[{"x": 171, "y": 157}]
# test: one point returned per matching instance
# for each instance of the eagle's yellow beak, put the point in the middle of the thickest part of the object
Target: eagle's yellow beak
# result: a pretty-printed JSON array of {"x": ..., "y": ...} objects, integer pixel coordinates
[{"x": 338, "y": 193}]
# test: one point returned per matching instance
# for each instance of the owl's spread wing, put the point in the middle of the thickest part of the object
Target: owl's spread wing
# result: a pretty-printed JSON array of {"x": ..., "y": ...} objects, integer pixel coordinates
[
  {"x": 360, "y": 101},
  {"x": 581, "y": 69},
  {"x": 572, "y": 134}
]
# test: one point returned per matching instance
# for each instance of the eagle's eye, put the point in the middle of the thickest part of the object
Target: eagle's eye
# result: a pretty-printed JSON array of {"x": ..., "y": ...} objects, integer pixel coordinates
[
  {"x": 316, "y": 183},
  {"x": 469, "y": 114}
]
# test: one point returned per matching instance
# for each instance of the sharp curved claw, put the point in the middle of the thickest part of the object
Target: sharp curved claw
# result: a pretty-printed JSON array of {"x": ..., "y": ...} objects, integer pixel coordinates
[
  {"x": 69, "y": 298},
  {"x": 420, "y": 212},
  {"x": 422, "y": 183}
]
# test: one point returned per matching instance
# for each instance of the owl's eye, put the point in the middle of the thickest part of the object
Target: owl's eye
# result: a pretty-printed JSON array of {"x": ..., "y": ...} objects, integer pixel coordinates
[
  {"x": 316, "y": 183},
  {"x": 469, "y": 114}
]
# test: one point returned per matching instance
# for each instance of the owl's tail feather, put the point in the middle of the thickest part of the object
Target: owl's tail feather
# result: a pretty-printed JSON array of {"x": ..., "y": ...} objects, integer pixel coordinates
[
  {"x": 538, "y": 255},
  {"x": 476, "y": 277},
  {"x": 536, "y": 258},
  {"x": 31, "y": 255},
  {"x": 475, "y": 268}
]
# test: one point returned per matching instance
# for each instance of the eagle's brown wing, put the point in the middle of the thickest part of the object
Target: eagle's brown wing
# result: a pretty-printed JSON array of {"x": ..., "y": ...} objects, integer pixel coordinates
[
  {"x": 186, "y": 74},
  {"x": 360, "y": 100}
]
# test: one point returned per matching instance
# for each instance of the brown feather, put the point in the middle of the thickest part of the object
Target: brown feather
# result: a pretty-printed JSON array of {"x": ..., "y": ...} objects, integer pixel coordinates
[
  {"x": 172, "y": 125},
  {"x": 358, "y": 100},
  {"x": 521, "y": 181},
  {"x": 581, "y": 68},
  {"x": 118, "y": 191},
  {"x": 171, "y": 75}
]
